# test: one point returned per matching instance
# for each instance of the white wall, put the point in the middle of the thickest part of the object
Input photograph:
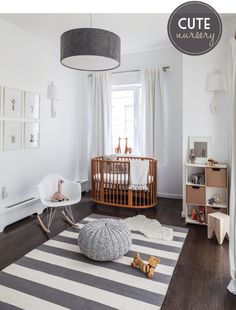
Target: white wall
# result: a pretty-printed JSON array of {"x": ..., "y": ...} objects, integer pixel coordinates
[
  {"x": 30, "y": 64},
  {"x": 197, "y": 118},
  {"x": 170, "y": 177}
]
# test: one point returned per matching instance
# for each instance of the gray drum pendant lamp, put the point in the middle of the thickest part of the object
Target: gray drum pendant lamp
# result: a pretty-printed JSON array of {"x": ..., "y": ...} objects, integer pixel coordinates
[{"x": 90, "y": 49}]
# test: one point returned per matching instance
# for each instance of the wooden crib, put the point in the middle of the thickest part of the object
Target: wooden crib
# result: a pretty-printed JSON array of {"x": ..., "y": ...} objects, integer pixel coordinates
[{"x": 111, "y": 179}]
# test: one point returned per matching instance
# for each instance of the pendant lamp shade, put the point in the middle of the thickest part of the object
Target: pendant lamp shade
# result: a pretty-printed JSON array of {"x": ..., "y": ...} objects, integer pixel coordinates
[{"x": 90, "y": 49}]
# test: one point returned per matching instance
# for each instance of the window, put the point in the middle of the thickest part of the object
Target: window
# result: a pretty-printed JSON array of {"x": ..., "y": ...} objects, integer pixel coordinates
[{"x": 126, "y": 116}]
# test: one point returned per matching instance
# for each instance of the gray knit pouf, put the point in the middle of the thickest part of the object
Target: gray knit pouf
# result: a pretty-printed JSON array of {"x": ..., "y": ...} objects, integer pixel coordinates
[{"x": 105, "y": 239}]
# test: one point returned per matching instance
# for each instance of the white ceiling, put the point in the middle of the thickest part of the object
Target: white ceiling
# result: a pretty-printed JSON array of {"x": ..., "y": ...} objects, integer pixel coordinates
[{"x": 137, "y": 31}]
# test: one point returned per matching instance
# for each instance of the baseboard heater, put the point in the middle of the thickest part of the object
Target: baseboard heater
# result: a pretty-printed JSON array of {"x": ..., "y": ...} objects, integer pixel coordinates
[
  {"x": 22, "y": 202},
  {"x": 18, "y": 210}
]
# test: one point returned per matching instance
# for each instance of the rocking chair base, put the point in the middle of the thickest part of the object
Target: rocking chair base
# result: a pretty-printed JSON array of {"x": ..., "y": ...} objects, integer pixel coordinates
[
  {"x": 48, "y": 219},
  {"x": 70, "y": 221},
  {"x": 44, "y": 228}
]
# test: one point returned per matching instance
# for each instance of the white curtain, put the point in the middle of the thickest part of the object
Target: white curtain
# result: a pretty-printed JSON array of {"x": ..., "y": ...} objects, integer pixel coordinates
[
  {"x": 101, "y": 118},
  {"x": 232, "y": 237},
  {"x": 154, "y": 115}
]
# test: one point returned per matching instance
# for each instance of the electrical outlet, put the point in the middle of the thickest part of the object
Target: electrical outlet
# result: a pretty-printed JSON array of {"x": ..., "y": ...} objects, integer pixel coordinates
[{"x": 4, "y": 192}]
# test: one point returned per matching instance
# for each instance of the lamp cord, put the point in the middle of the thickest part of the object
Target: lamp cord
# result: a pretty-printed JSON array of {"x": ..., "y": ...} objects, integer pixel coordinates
[{"x": 91, "y": 20}]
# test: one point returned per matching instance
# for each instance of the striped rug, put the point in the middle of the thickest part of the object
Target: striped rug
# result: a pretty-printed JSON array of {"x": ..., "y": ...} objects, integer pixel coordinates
[{"x": 56, "y": 276}]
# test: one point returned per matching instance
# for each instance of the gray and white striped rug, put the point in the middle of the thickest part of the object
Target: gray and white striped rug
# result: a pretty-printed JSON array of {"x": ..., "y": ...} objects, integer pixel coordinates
[{"x": 56, "y": 276}]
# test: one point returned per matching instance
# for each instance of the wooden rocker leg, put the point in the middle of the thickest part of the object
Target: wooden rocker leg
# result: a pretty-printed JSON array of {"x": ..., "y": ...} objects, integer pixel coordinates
[
  {"x": 68, "y": 214},
  {"x": 46, "y": 222}
]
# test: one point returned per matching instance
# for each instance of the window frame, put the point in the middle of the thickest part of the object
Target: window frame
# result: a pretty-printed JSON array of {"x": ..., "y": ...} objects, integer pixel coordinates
[{"x": 136, "y": 88}]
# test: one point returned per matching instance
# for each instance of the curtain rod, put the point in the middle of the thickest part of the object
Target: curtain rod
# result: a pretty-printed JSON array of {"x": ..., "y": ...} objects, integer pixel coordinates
[
  {"x": 138, "y": 70},
  {"x": 165, "y": 68}
]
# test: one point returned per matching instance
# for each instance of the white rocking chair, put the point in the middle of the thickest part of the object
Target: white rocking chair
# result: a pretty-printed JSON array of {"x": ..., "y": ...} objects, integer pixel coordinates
[{"x": 47, "y": 187}]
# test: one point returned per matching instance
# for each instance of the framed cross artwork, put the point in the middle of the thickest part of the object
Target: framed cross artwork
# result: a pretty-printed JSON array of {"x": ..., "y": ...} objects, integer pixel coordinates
[
  {"x": 32, "y": 135},
  {"x": 12, "y": 102},
  {"x": 32, "y": 105},
  {"x": 12, "y": 133}
]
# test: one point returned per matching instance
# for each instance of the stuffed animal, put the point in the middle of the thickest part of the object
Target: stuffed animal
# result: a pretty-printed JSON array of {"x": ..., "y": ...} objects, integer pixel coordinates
[
  {"x": 57, "y": 196},
  {"x": 212, "y": 162},
  {"x": 148, "y": 268}
]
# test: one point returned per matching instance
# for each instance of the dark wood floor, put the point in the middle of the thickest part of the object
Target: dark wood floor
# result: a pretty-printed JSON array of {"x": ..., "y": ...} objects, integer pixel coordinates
[{"x": 201, "y": 275}]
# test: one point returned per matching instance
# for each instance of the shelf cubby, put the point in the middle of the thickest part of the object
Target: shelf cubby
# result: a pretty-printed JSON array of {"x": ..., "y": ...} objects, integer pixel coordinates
[{"x": 198, "y": 195}]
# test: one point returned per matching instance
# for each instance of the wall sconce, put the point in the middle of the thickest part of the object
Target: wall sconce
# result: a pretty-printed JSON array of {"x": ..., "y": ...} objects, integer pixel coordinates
[
  {"x": 215, "y": 82},
  {"x": 53, "y": 96}
]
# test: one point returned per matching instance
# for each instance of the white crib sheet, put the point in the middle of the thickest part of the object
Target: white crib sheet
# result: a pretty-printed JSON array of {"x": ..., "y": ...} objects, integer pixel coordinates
[{"x": 115, "y": 178}]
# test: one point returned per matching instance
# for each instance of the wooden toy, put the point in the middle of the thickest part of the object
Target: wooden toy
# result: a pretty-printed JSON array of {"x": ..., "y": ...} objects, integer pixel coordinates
[
  {"x": 212, "y": 162},
  {"x": 118, "y": 148},
  {"x": 148, "y": 268},
  {"x": 128, "y": 150}
]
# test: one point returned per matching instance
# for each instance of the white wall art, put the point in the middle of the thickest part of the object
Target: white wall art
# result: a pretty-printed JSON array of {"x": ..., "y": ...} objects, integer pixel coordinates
[
  {"x": 201, "y": 147},
  {"x": 12, "y": 133},
  {"x": 32, "y": 105},
  {"x": 32, "y": 136},
  {"x": 12, "y": 102}
]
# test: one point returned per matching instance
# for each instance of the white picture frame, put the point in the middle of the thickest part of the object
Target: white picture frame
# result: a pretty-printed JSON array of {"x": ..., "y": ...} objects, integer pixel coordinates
[
  {"x": 202, "y": 148},
  {"x": 12, "y": 102},
  {"x": 31, "y": 135},
  {"x": 31, "y": 105},
  {"x": 12, "y": 135}
]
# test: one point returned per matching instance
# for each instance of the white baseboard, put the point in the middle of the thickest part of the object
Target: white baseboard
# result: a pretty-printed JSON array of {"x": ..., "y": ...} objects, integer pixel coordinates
[{"x": 168, "y": 195}]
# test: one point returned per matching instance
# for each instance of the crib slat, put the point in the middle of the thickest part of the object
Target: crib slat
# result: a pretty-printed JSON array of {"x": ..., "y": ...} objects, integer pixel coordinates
[
  {"x": 95, "y": 179},
  {"x": 109, "y": 183},
  {"x": 105, "y": 183},
  {"x": 151, "y": 184},
  {"x": 102, "y": 180},
  {"x": 123, "y": 197},
  {"x": 149, "y": 192},
  {"x": 155, "y": 181},
  {"x": 113, "y": 183},
  {"x": 140, "y": 197},
  {"x": 116, "y": 185},
  {"x": 96, "y": 184},
  {"x": 92, "y": 183},
  {"x": 121, "y": 180}
]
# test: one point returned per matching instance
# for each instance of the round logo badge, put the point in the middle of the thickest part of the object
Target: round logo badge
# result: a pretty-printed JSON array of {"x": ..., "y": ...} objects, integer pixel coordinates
[{"x": 194, "y": 28}]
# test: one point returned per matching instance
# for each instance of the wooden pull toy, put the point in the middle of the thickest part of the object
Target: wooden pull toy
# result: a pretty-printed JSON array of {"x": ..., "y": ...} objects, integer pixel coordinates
[{"x": 148, "y": 268}]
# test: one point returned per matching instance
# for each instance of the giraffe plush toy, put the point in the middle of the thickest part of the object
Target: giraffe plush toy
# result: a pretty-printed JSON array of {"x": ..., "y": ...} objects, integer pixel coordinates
[{"x": 58, "y": 196}]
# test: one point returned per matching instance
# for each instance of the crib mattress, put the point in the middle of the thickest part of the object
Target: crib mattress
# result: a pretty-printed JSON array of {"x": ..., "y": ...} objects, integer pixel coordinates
[{"x": 114, "y": 178}]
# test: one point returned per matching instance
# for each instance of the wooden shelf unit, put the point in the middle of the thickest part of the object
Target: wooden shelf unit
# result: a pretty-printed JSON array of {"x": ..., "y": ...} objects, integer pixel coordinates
[{"x": 197, "y": 195}]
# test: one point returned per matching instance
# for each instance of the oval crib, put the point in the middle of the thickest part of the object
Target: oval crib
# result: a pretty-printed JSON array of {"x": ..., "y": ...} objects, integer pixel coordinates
[{"x": 111, "y": 179}]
